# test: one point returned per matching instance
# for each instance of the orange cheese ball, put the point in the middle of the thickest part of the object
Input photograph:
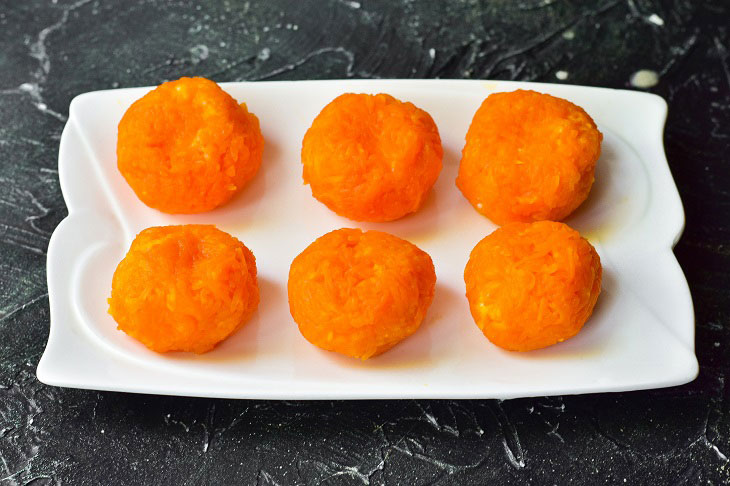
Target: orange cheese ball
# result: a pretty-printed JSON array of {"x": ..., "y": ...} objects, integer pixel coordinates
[
  {"x": 371, "y": 157},
  {"x": 360, "y": 293},
  {"x": 531, "y": 285},
  {"x": 184, "y": 288},
  {"x": 528, "y": 157},
  {"x": 188, "y": 147}
]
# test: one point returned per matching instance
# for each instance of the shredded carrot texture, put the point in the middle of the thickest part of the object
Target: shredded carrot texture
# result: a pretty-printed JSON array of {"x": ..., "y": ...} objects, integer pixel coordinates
[
  {"x": 184, "y": 288},
  {"x": 188, "y": 147},
  {"x": 371, "y": 157},
  {"x": 531, "y": 285},
  {"x": 528, "y": 157},
  {"x": 360, "y": 293}
]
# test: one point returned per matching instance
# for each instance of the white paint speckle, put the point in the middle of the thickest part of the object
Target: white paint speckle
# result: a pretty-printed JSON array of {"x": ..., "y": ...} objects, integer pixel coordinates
[
  {"x": 568, "y": 35},
  {"x": 199, "y": 53},
  {"x": 351, "y": 4},
  {"x": 644, "y": 79},
  {"x": 432, "y": 53},
  {"x": 264, "y": 54},
  {"x": 656, "y": 20},
  {"x": 719, "y": 453},
  {"x": 561, "y": 75}
]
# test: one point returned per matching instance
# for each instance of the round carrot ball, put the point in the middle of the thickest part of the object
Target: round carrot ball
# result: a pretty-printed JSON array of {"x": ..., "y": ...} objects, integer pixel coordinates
[
  {"x": 184, "y": 288},
  {"x": 360, "y": 293},
  {"x": 528, "y": 157},
  {"x": 531, "y": 285},
  {"x": 188, "y": 147},
  {"x": 371, "y": 157}
]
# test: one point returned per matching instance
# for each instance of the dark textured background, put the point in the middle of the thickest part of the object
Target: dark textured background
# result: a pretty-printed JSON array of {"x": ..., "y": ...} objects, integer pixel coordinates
[{"x": 52, "y": 51}]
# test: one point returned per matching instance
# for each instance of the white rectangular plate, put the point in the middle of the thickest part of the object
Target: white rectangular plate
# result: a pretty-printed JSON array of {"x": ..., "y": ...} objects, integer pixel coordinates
[{"x": 641, "y": 334}]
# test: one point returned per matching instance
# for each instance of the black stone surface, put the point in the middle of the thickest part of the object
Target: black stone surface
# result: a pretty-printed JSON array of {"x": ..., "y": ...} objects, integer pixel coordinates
[{"x": 52, "y": 51}]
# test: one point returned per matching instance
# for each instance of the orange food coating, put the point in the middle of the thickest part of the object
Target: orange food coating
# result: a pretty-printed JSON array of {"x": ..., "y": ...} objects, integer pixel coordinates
[
  {"x": 188, "y": 147},
  {"x": 531, "y": 285},
  {"x": 371, "y": 157},
  {"x": 528, "y": 157},
  {"x": 360, "y": 293},
  {"x": 184, "y": 288}
]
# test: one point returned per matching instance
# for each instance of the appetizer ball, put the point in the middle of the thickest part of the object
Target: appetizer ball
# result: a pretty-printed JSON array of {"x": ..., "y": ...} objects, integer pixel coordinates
[
  {"x": 528, "y": 157},
  {"x": 184, "y": 288},
  {"x": 188, "y": 147},
  {"x": 360, "y": 293},
  {"x": 531, "y": 285},
  {"x": 371, "y": 157}
]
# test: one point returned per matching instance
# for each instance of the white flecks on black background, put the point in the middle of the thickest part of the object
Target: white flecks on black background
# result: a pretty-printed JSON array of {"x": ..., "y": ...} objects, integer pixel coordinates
[{"x": 51, "y": 51}]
